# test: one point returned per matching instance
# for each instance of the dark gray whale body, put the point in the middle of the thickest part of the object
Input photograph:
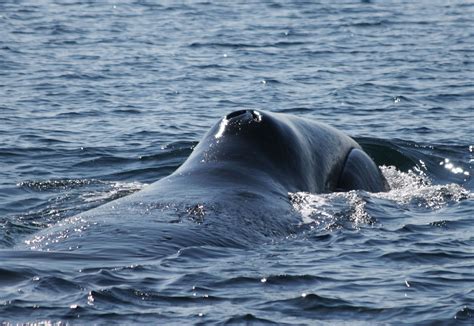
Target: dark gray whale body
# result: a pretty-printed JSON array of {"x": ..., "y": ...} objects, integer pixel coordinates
[
  {"x": 296, "y": 154},
  {"x": 232, "y": 190}
]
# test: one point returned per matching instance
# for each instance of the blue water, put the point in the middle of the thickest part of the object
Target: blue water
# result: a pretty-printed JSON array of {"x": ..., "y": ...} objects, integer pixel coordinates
[{"x": 99, "y": 99}]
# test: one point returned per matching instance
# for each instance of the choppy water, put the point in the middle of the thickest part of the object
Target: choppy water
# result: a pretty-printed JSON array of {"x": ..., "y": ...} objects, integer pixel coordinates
[{"x": 99, "y": 99}]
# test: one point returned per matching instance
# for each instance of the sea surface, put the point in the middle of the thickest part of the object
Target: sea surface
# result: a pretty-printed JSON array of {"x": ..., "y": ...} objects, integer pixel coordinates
[{"x": 98, "y": 99}]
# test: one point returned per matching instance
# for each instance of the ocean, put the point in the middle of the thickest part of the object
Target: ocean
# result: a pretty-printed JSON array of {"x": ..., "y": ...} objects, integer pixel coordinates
[{"x": 99, "y": 99}]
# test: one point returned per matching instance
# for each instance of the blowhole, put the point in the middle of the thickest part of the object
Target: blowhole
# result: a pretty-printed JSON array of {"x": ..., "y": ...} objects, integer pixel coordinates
[{"x": 236, "y": 114}]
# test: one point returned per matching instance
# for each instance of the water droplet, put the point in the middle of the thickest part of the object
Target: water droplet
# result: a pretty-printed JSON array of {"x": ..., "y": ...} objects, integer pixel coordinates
[{"x": 90, "y": 299}]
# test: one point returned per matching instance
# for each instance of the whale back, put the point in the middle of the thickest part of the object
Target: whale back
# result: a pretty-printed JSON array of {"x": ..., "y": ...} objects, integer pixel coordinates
[
  {"x": 231, "y": 191},
  {"x": 297, "y": 154}
]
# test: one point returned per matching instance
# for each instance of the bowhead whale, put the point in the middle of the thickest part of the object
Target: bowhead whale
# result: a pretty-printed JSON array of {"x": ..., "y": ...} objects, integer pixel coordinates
[{"x": 231, "y": 191}]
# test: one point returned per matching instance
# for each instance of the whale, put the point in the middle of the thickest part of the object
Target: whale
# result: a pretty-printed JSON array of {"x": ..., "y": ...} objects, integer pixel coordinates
[{"x": 233, "y": 190}]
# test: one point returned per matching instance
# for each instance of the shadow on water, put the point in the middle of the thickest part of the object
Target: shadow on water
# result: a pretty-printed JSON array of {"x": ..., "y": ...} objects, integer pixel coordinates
[{"x": 441, "y": 163}]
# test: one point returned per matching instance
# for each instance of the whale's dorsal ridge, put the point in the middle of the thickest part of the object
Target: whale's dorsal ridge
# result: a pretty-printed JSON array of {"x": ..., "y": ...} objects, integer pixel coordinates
[{"x": 360, "y": 172}]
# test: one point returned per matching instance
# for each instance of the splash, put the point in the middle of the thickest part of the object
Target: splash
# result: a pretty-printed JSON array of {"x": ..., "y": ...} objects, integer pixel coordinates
[
  {"x": 415, "y": 189},
  {"x": 409, "y": 190},
  {"x": 328, "y": 211}
]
